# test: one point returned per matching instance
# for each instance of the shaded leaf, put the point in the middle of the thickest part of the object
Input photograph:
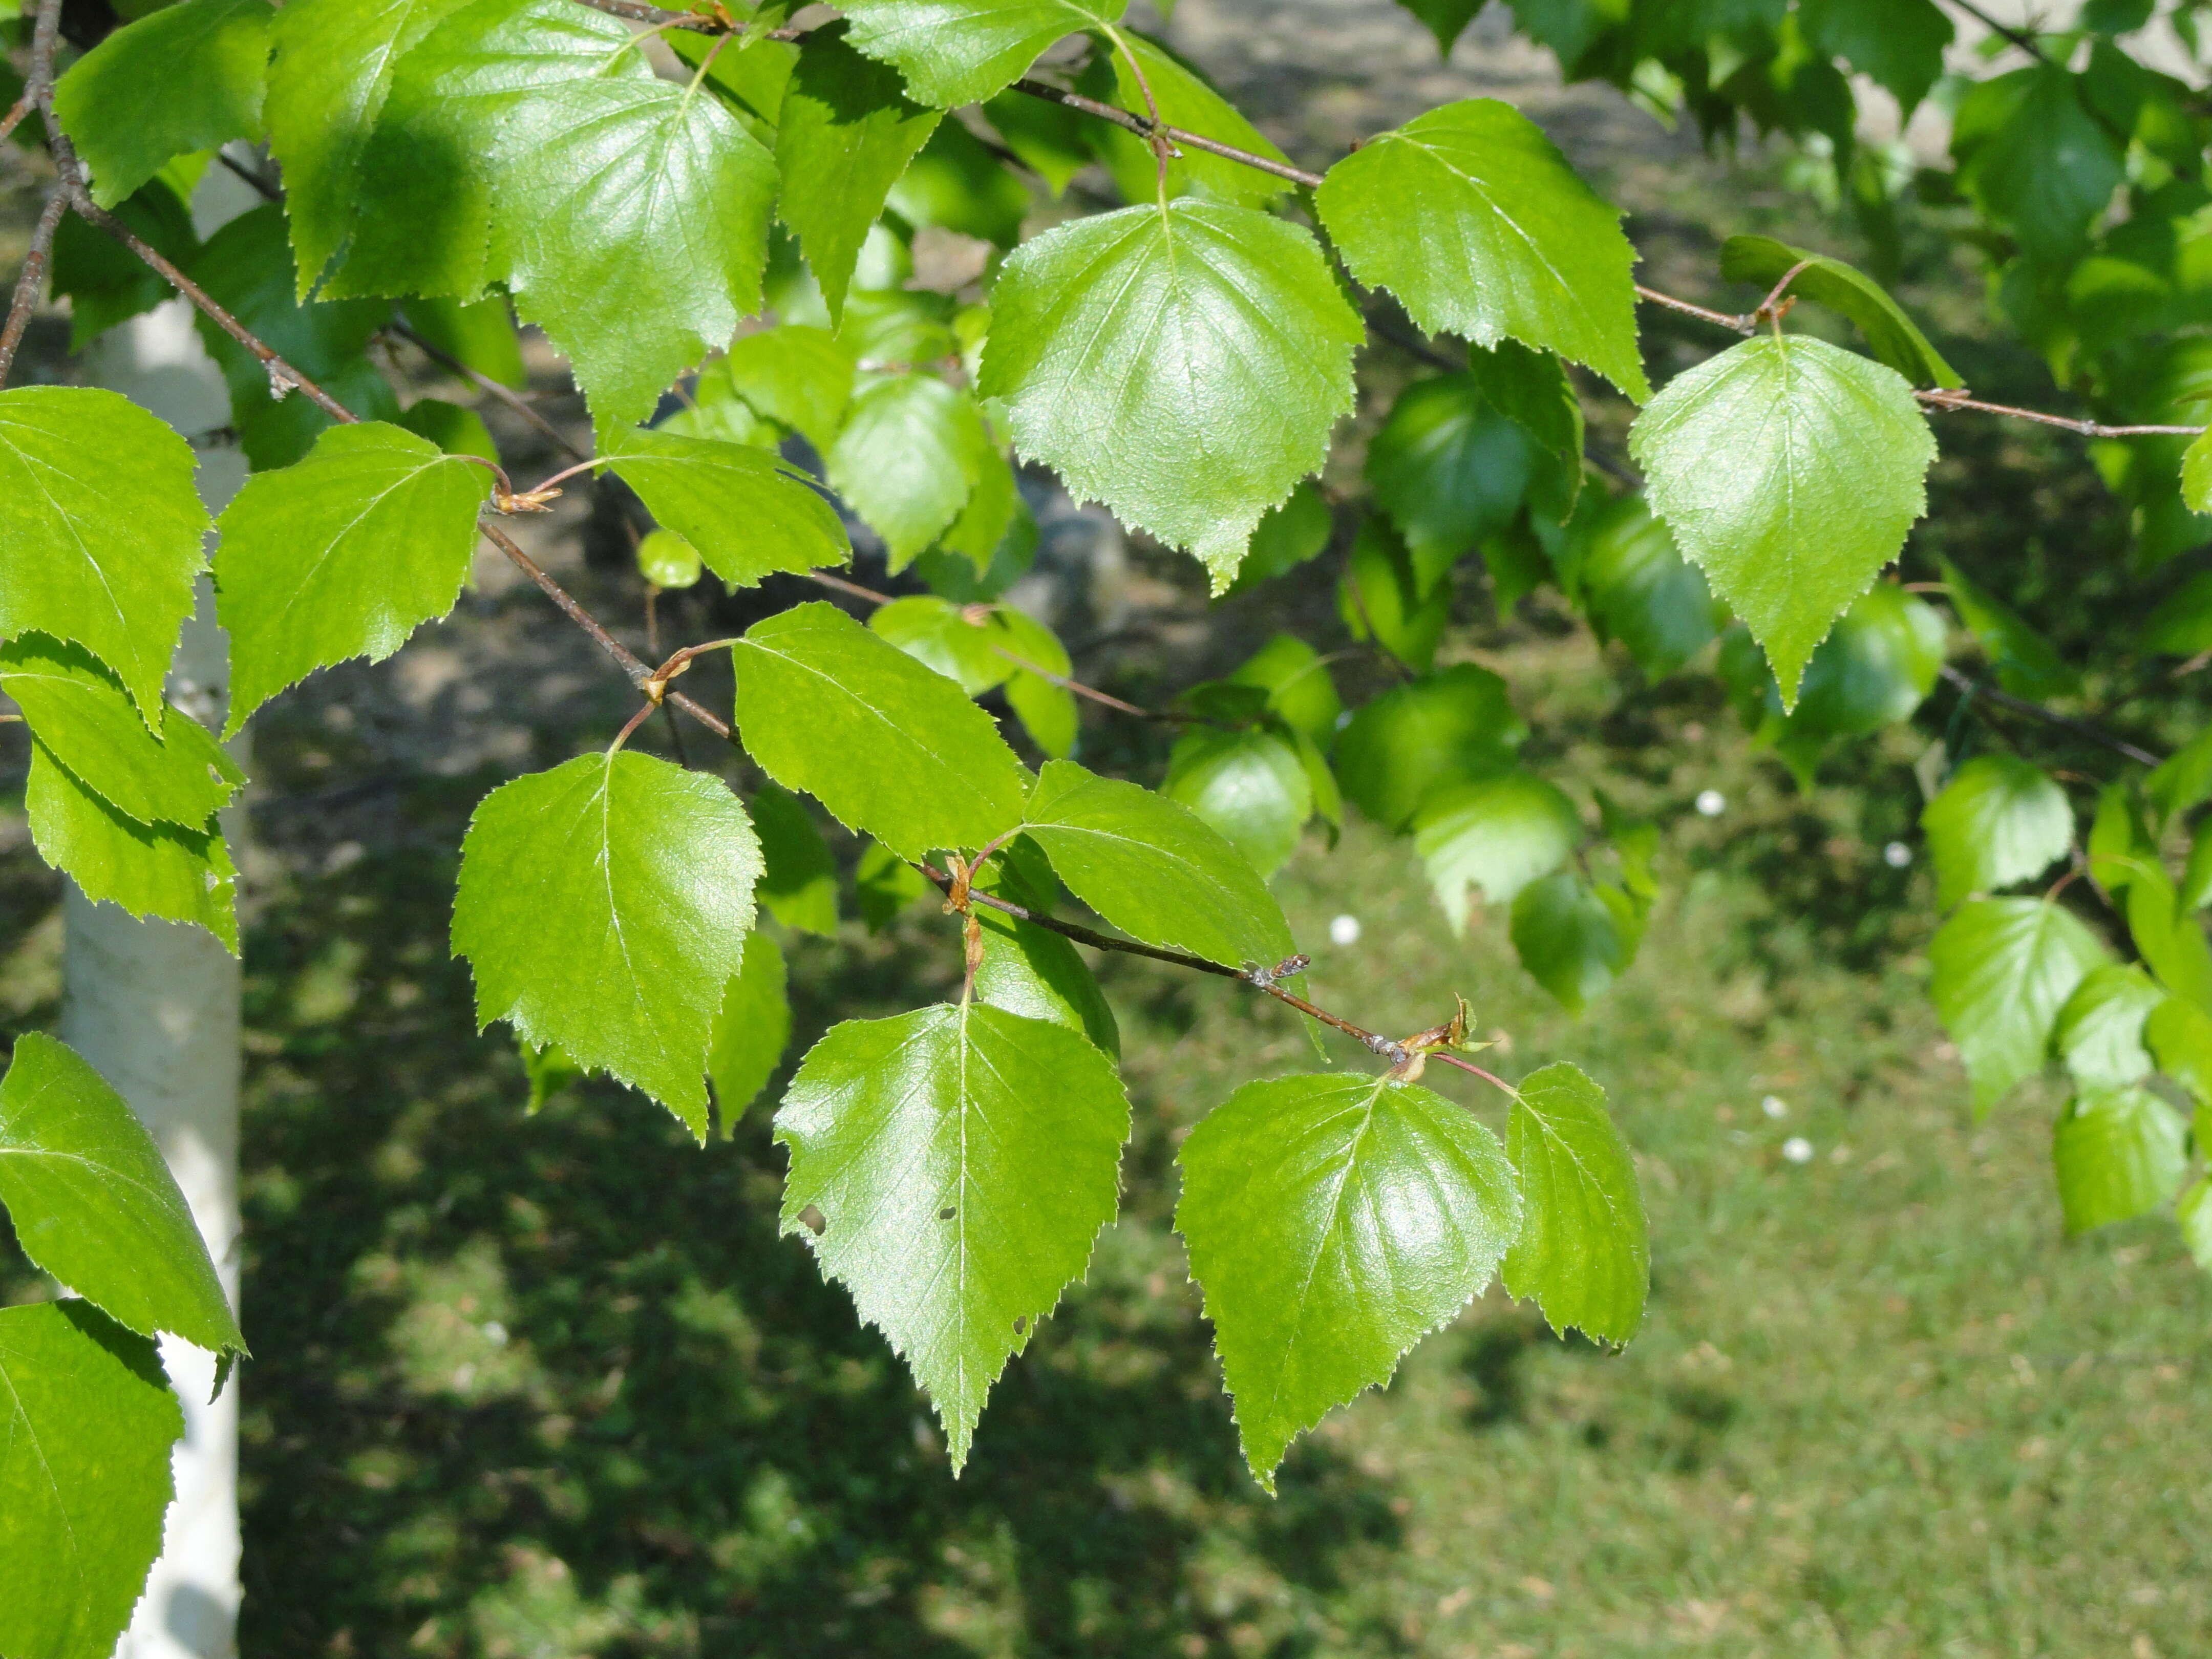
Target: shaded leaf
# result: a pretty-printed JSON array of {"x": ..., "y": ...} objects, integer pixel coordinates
[
  {"x": 1451, "y": 726},
  {"x": 186, "y": 77},
  {"x": 167, "y": 870},
  {"x": 1381, "y": 596},
  {"x": 1449, "y": 469},
  {"x": 1498, "y": 833},
  {"x": 1333, "y": 1222},
  {"x": 801, "y": 376},
  {"x": 1574, "y": 936},
  {"x": 1249, "y": 785},
  {"x": 2027, "y": 665},
  {"x": 911, "y": 451},
  {"x": 1892, "y": 336},
  {"x": 799, "y": 878},
  {"x": 961, "y": 52},
  {"x": 752, "y": 1030}
]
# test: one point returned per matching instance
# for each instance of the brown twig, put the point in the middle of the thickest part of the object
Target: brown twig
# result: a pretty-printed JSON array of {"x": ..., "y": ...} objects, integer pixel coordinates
[
  {"x": 1739, "y": 325},
  {"x": 2081, "y": 728},
  {"x": 1144, "y": 129},
  {"x": 2027, "y": 42},
  {"x": 506, "y": 395},
  {"x": 32, "y": 281},
  {"x": 1949, "y": 401},
  {"x": 14, "y": 118}
]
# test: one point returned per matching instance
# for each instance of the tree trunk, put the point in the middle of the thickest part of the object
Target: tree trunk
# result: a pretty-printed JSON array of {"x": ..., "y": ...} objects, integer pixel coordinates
[{"x": 154, "y": 1007}]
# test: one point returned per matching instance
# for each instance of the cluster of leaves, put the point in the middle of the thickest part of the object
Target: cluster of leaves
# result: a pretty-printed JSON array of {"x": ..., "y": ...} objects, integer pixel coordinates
[{"x": 723, "y": 231}]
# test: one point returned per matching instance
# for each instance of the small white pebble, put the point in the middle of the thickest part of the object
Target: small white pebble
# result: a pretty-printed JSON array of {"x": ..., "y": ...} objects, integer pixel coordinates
[
  {"x": 1775, "y": 1106},
  {"x": 1343, "y": 719},
  {"x": 1797, "y": 1150},
  {"x": 496, "y": 1333},
  {"x": 1897, "y": 855},
  {"x": 1711, "y": 802},
  {"x": 1345, "y": 930}
]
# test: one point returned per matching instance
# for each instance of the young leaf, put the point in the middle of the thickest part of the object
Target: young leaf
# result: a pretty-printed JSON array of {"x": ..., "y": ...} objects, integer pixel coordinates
[
  {"x": 1449, "y": 469},
  {"x": 1790, "y": 471},
  {"x": 1446, "y": 19},
  {"x": 801, "y": 376},
  {"x": 1474, "y": 219},
  {"x": 1574, "y": 936},
  {"x": 1185, "y": 99},
  {"x": 1638, "y": 588},
  {"x": 1387, "y": 595},
  {"x": 602, "y": 905},
  {"x": 747, "y": 511},
  {"x": 167, "y": 870},
  {"x": 1036, "y": 973},
  {"x": 911, "y": 450},
  {"x": 1248, "y": 785},
  {"x": 2099, "y": 1034},
  {"x": 79, "y": 711},
  {"x": 94, "y": 1205},
  {"x": 1893, "y": 337},
  {"x": 799, "y": 883},
  {"x": 1499, "y": 834},
  {"x": 1183, "y": 364},
  {"x": 334, "y": 67},
  {"x": 633, "y": 187},
  {"x": 1333, "y": 1222},
  {"x": 343, "y": 555},
  {"x": 752, "y": 1030},
  {"x": 845, "y": 135},
  {"x": 959, "y": 1163},
  {"x": 2000, "y": 820},
  {"x": 1452, "y": 727},
  {"x": 187, "y": 77},
  {"x": 1297, "y": 683},
  {"x": 961, "y": 52},
  {"x": 891, "y": 748},
  {"x": 2003, "y": 969},
  {"x": 2119, "y": 1153},
  {"x": 102, "y": 528},
  {"x": 1153, "y": 869},
  {"x": 1585, "y": 1250},
  {"x": 86, "y": 1421},
  {"x": 666, "y": 561}
]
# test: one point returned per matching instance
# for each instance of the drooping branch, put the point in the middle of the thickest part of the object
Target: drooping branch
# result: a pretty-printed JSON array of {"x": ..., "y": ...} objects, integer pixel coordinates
[{"x": 1974, "y": 689}]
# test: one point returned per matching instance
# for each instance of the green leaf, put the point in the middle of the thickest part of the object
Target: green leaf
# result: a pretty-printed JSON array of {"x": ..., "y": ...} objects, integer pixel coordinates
[
  {"x": 1297, "y": 681},
  {"x": 104, "y": 282},
  {"x": 1248, "y": 785},
  {"x": 2000, "y": 820},
  {"x": 667, "y": 561},
  {"x": 747, "y": 511},
  {"x": 94, "y": 1205},
  {"x": 636, "y": 188},
  {"x": 334, "y": 61},
  {"x": 343, "y": 555},
  {"x": 1045, "y": 707},
  {"x": 2196, "y": 484},
  {"x": 2120, "y": 1153},
  {"x": 1185, "y": 99},
  {"x": 938, "y": 633},
  {"x": 752, "y": 1030},
  {"x": 801, "y": 376},
  {"x": 1474, "y": 219},
  {"x": 891, "y": 748},
  {"x": 1287, "y": 537},
  {"x": 2099, "y": 1034},
  {"x": 1585, "y": 1250},
  {"x": 1051, "y": 140},
  {"x": 1183, "y": 364},
  {"x": 1574, "y": 936},
  {"x": 2003, "y": 969},
  {"x": 1892, "y": 336},
  {"x": 911, "y": 452},
  {"x": 86, "y": 1421},
  {"x": 2120, "y": 843},
  {"x": 551, "y": 1071},
  {"x": 1531, "y": 389},
  {"x": 959, "y": 184},
  {"x": 245, "y": 269},
  {"x": 1499, "y": 834},
  {"x": 1898, "y": 44},
  {"x": 2171, "y": 939},
  {"x": 1036, "y": 973},
  {"x": 102, "y": 528},
  {"x": 456, "y": 430},
  {"x": 2196, "y": 890},
  {"x": 1789, "y": 471},
  {"x": 798, "y": 884},
  {"x": 959, "y": 1163},
  {"x": 1453, "y": 727},
  {"x": 167, "y": 870},
  {"x": 1381, "y": 596},
  {"x": 2034, "y": 157},
  {"x": 482, "y": 335},
  {"x": 2180, "y": 1035},
  {"x": 885, "y": 885},
  {"x": 79, "y": 711},
  {"x": 961, "y": 52},
  {"x": 1449, "y": 469},
  {"x": 187, "y": 77},
  {"x": 2185, "y": 780},
  {"x": 845, "y": 135},
  {"x": 1333, "y": 1222},
  {"x": 1151, "y": 867},
  {"x": 1640, "y": 590},
  {"x": 2192, "y": 1213},
  {"x": 602, "y": 905},
  {"x": 2027, "y": 664},
  {"x": 1446, "y": 19}
]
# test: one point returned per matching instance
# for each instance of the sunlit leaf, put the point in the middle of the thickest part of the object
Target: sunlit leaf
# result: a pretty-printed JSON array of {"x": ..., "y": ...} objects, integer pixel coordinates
[{"x": 1584, "y": 1253}]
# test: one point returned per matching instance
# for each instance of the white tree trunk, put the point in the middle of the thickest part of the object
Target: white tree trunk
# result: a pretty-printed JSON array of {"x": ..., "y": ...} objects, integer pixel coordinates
[{"x": 154, "y": 1007}]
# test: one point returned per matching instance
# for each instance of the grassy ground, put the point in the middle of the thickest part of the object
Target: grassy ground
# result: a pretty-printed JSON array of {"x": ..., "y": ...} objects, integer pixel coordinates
[{"x": 553, "y": 1387}]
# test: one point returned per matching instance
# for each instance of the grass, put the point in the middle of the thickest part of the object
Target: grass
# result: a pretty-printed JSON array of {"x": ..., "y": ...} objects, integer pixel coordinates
[{"x": 554, "y": 1387}]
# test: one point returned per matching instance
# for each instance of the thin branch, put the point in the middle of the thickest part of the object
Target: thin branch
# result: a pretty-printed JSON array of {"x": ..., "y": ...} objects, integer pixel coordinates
[
  {"x": 14, "y": 118},
  {"x": 1949, "y": 401},
  {"x": 506, "y": 394},
  {"x": 690, "y": 21},
  {"x": 2081, "y": 728},
  {"x": 1736, "y": 324},
  {"x": 1144, "y": 129},
  {"x": 32, "y": 282},
  {"x": 842, "y": 585},
  {"x": 2027, "y": 42}
]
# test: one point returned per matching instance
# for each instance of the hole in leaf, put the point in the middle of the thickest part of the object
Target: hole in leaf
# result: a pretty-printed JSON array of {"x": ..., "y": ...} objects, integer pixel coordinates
[
  {"x": 946, "y": 1214},
  {"x": 811, "y": 1219},
  {"x": 1021, "y": 1323}
]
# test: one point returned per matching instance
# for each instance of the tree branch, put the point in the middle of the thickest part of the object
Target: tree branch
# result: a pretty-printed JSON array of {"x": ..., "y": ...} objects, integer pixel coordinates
[
  {"x": 32, "y": 281},
  {"x": 2027, "y": 42},
  {"x": 1949, "y": 401},
  {"x": 14, "y": 118},
  {"x": 1974, "y": 688}
]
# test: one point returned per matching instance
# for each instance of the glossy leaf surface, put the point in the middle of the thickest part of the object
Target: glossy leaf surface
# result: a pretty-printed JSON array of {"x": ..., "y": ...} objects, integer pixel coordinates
[
  {"x": 2003, "y": 969},
  {"x": 746, "y": 511},
  {"x": 185, "y": 77},
  {"x": 1498, "y": 833},
  {"x": 961, "y": 52},
  {"x": 167, "y": 870},
  {"x": 2000, "y": 820},
  {"x": 1584, "y": 1253}
]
